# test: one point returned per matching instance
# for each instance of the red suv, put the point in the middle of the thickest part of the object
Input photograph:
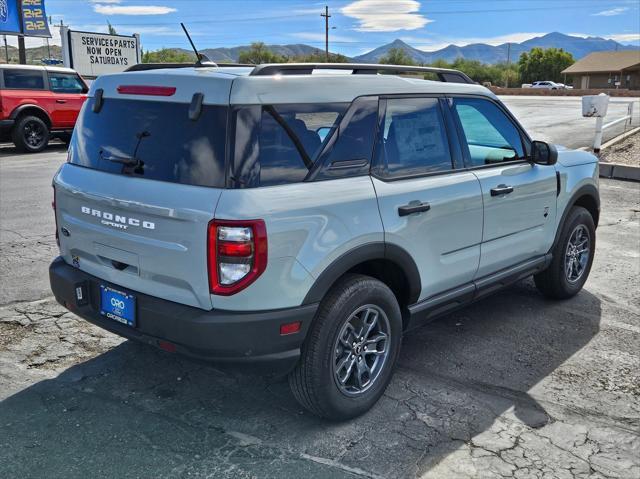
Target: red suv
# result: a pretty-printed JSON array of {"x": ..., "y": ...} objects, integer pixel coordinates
[{"x": 38, "y": 103}]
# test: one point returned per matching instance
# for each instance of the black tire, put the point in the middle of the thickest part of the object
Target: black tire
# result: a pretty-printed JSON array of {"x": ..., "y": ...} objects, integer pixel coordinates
[
  {"x": 554, "y": 282},
  {"x": 30, "y": 134},
  {"x": 313, "y": 382}
]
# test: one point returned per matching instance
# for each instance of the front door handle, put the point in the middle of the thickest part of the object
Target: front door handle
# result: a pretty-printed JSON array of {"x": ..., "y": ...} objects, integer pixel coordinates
[
  {"x": 61, "y": 101},
  {"x": 501, "y": 190},
  {"x": 413, "y": 207}
]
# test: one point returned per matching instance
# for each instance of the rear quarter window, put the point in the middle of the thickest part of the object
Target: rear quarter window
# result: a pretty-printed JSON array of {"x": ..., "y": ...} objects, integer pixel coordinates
[
  {"x": 279, "y": 144},
  {"x": 18, "y": 79}
]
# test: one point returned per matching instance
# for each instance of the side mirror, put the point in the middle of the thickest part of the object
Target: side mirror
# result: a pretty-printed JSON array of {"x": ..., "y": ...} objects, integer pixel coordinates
[{"x": 543, "y": 153}]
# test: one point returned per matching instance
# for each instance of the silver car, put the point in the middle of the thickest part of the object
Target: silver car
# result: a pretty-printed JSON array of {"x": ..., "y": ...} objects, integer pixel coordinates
[{"x": 298, "y": 219}]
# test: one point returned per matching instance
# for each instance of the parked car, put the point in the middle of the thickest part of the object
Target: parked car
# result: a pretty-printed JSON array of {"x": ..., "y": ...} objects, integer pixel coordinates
[
  {"x": 303, "y": 223},
  {"x": 547, "y": 85},
  {"x": 38, "y": 103}
]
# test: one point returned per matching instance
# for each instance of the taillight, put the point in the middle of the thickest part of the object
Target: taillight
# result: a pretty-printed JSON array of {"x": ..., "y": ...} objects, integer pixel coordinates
[
  {"x": 237, "y": 254},
  {"x": 55, "y": 215}
]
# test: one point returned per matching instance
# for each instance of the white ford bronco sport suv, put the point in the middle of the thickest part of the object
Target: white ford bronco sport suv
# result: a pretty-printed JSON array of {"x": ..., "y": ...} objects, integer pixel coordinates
[{"x": 303, "y": 217}]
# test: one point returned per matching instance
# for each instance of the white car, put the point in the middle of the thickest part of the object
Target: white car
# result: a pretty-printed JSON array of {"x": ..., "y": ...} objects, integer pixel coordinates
[{"x": 547, "y": 85}]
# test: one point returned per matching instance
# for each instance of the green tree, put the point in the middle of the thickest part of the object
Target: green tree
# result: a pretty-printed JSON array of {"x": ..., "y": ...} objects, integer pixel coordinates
[
  {"x": 320, "y": 57},
  {"x": 396, "y": 56},
  {"x": 540, "y": 64},
  {"x": 168, "y": 55},
  {"x": 112, "y": 31},
  {"x": 259, "y": 53}
]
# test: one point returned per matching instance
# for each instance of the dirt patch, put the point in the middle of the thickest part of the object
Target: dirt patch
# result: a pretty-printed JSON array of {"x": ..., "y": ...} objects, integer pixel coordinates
[{"x": 627, "y": 152}]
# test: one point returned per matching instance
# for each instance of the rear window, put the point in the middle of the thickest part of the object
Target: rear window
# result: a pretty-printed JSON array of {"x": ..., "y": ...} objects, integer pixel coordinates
[
  {"x": 153, "y": 140},
  {"x": 23, "y": 79},
  {"x": 279, "y": 144}
]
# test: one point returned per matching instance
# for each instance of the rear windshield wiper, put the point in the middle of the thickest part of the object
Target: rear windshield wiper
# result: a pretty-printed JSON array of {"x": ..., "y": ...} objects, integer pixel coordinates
[{"x": 123, "y": 160}]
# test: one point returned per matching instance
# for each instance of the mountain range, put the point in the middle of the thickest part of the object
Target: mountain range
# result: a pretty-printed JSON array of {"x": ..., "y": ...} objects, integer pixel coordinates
[{"x": 577, "y": 46}]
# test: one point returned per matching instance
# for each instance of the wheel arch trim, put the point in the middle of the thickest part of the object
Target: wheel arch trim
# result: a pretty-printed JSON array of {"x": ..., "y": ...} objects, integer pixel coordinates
[
  {"x": 362, "y": 254},
  {"x": 588, "y": 190},
  {"x": 29, "y": 106}
]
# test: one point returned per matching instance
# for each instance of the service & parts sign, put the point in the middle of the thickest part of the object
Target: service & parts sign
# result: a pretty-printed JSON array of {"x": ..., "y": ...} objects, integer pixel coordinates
[{"x": 94, "y": 54}]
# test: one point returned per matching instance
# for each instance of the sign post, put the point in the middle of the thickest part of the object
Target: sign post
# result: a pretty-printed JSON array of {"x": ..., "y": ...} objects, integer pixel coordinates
[{"x": 94, "y": 54}]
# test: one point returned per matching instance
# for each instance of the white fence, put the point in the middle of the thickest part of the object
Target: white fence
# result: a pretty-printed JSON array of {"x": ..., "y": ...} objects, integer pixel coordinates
[{"x": 597, "y": 106}]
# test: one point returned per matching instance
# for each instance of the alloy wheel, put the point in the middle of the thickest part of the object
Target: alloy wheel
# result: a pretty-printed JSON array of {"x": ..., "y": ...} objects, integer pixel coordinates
[
  {"x": 361, "y": 350},
  {"x": 577, "y": 254}
]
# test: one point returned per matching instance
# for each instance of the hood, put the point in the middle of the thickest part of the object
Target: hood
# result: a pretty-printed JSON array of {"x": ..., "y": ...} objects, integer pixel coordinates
[{"x": 569, "y": 158}]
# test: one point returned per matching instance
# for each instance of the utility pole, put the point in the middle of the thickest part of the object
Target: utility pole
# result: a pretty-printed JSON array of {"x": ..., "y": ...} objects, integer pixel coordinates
[
  {"x": 508, "y": 64},
  {"x": 6, "y": 48},
  {"x": 22, "y": 51},
  {"x": 326, "y": 31}
]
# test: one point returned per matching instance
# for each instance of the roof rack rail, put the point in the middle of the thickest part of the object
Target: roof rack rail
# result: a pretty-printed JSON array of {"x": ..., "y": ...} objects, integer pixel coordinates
[
  {"x": 141, "y": 67},
  {"x": 444, "y": 74}
]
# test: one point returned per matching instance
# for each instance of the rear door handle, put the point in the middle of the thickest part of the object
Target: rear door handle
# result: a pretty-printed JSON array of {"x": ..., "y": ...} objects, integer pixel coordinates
[
  {"x": 501, "y": 190},
  {"x": 413, "y": 207},
  {"x": 61, "y": 101}
]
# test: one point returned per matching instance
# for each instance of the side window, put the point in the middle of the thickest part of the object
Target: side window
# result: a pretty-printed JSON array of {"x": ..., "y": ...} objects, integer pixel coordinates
[
  {"x": 278, "y": 144},
  {"x": 23, "y": 79},
  {"x": 413, "y": 139},
  {"x": 490, "y": 135},
  {"x": 66, "y": 83},
  {"x": 350, "y": 154}
]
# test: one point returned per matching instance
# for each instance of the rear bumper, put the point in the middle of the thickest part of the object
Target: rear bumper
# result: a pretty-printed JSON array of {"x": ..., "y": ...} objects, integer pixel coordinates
[{"x": 241, "y": 338}]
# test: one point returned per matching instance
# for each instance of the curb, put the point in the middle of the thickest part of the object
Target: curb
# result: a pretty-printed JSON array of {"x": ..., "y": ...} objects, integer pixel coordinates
[{"x": 616, "y": 171}]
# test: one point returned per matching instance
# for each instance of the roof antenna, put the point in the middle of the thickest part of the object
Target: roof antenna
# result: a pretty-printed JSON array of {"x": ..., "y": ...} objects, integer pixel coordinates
[{"x": 203, "y": 60}]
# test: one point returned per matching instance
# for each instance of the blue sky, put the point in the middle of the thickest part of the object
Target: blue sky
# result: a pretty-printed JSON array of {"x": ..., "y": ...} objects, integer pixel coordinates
[{"x": 360, "y": 25}]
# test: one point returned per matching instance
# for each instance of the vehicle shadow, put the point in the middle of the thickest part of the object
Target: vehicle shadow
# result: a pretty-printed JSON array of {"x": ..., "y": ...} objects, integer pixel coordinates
[
  {"x": 138, "y": 412},
  {"x": 7, "y": 149}
]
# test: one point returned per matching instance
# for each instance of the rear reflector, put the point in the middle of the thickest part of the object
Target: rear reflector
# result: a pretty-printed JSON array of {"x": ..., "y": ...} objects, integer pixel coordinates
[
  {"x": 290, "y": 328},
  {"x": 167, "y": 346},
  {"x": 146, "y": 90}
]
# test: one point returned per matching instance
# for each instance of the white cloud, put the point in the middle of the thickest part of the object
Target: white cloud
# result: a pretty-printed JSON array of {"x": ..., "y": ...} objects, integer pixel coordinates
[
  {"x": 31, "y": 42},
  {"x": 386, "y": 16},
  {"x": 625, "y": 37},
  {"x": 610, "y": 13},
  {"x": 105, "y": 1},
  {"x": 430, "y": 45},
  {"x": 618, "y": 37},
  {"x": 132, "y": 9}
]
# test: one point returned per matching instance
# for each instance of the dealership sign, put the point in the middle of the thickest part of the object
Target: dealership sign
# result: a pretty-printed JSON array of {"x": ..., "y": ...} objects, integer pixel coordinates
[
  {"x": 93, "y": 54},
  {"x": 24, "y": 17}
]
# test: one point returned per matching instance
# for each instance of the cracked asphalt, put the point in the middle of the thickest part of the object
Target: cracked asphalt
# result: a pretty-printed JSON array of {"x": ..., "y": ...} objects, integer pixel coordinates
[{"x": 514, "y": 386}]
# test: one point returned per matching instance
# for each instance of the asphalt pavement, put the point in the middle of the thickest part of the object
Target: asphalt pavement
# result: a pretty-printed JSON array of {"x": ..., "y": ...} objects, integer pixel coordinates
[{"x": 559, "y": 119}]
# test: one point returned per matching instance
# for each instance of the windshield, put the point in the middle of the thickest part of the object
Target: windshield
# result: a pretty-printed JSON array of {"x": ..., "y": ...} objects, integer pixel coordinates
[{"x": 153, "y": 140}]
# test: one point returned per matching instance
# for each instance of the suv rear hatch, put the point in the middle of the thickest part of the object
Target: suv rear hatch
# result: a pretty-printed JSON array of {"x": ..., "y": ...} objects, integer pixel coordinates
[{"x": 145, "y": 171}]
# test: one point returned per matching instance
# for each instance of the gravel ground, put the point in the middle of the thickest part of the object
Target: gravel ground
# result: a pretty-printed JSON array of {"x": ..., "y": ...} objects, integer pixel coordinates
[{"x": 626, "y": 152}]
